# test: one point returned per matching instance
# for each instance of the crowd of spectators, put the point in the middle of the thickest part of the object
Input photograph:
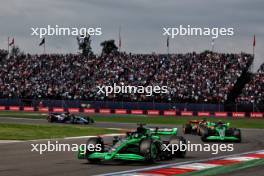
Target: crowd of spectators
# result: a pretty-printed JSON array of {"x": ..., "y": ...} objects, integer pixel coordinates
[
  {"x": 253, "y": 92},
  {"x": 204, "y": 77},
  {"x": 192, "y": 77}
]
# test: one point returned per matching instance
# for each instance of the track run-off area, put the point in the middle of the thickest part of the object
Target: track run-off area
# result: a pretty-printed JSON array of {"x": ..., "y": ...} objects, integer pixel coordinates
[{"x": 18, "y": 159}]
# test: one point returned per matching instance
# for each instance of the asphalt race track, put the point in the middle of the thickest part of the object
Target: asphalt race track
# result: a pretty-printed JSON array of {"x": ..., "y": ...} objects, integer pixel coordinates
[{"x": 17, "y": 158}]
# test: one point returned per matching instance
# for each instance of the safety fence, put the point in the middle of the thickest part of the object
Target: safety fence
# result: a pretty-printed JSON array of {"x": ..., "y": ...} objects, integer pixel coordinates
[{"x": 133, "y": 112}]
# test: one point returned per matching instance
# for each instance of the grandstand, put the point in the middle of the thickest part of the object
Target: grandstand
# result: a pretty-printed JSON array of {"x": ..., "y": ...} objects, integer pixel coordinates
[
  {"x": 253, "y": 92},
  {"x": 200, "y": 78}
]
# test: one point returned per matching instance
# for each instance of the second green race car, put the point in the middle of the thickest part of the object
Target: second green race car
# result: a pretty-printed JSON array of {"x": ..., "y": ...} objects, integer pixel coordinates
[
  {"x": 143, "y": 144},
  {"x": 220, "y": 131}
]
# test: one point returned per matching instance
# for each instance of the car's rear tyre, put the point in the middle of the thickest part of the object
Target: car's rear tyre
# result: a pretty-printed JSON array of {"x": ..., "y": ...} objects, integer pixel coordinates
[
  {"x": 149, "y": 149},
  {"x": 237, "y": 134},
  {"x": 234, "y": 132},
  {"x": 94, "y": 141},
  {"x": 204, "y": 134},
  {"x": 51, "y": 119},
  {"x": 91, "y": 120},
  {"x": 199, "y": 131},
  {"x": 187, "y": 129},
  {"x": 177, "y": 141},
  {"x": 200, "y": 127}
]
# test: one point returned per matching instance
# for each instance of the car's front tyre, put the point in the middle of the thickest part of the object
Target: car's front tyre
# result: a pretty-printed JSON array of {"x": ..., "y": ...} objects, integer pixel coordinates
[
  {"x": 187, "y": 129},
  {"x": 149, "y": 149},
  {"x": 178, "y": 141},
  {"x": 94, "y": 141},
  {"x": 204, "y": 134}
]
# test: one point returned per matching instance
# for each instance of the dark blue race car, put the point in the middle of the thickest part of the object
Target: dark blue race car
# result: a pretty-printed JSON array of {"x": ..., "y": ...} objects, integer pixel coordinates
[{"x": 69, "y": 118}]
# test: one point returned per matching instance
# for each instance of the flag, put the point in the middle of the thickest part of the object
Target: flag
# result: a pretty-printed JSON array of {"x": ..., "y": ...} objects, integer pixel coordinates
[
  {"x": 254, "y": 41},
  {"x": 42, "y": 42},
  {"x": 119, "y": 40},
  {"x": 12, "y": 42},
  {"x": 212, "y": 42},
  {"x": 168, "y": 41}
]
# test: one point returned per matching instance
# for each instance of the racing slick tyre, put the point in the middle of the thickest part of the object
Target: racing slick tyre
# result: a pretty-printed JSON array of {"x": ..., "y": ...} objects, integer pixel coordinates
[
  {"x": 91, "y": 120},
  {"x": 49, "y": 120},
  {"x": 199, "y": 130},
  {"x": 177, "y": 141},
  {"x": 187, "y": 129},
  {"x": 74, "y": 121},
  {"x": 149, "y": 149},
  {"x": 204, "y": 134},
  {"x": 94, "y": 141},
  {"x": 237, "y": 134}
]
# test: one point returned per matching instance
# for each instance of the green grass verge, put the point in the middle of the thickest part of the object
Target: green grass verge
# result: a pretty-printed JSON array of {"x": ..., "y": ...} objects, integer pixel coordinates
[
  {"x": 238, "y": 123},
  {"x": 30, "y": 131},
  {"x": 226, "y": 169},
  {"x": 21, "y": 114}
]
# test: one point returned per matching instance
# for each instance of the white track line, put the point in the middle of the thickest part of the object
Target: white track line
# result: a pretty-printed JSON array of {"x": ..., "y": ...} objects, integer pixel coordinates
[
  {"x": 104, "y": 135},
  {"x": 197, "y": 166},
  {"x": 240, "y": 158},
  {"x": 66, "y": 138},
  {"x": 9, "y": 141},
  {"x": 130, "y": 172},
  {"x": 18, "y": 118}
]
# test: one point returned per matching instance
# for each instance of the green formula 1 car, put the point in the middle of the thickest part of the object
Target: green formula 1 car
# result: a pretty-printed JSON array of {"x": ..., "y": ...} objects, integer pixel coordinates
[
  {"x": 219, "y": 131},
  {"x": 143, "y": 144}
]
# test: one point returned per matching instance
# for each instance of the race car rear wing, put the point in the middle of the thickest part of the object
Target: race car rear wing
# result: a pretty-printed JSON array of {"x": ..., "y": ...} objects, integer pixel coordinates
[{"x": 164, "y": 131}]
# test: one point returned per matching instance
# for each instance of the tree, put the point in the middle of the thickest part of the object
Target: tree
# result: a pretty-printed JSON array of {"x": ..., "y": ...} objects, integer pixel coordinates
[
  {"x": 109, "y": 47},
  {"x": 85, "y": 45},
  {"x": 15, "y": 51},
  {"x": 3, "y": 54}
]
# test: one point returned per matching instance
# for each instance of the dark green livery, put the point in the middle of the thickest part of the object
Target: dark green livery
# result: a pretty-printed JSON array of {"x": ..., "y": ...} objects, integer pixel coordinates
[
  {"x": 144, "y": 144},
  {"x": 219, "y": 131}
]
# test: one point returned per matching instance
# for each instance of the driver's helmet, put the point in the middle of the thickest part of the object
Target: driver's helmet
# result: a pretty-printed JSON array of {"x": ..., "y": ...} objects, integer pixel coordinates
[
  {"x": 141, "y": 129},
  {"x": 220, "y": 123},
  {"x": 204, "y": 120}
]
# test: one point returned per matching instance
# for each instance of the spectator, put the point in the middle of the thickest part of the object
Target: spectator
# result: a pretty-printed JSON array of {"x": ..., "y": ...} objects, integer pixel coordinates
[
  {"x": 202, "y": 78},
  {"x": 253, "y": 92}
]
